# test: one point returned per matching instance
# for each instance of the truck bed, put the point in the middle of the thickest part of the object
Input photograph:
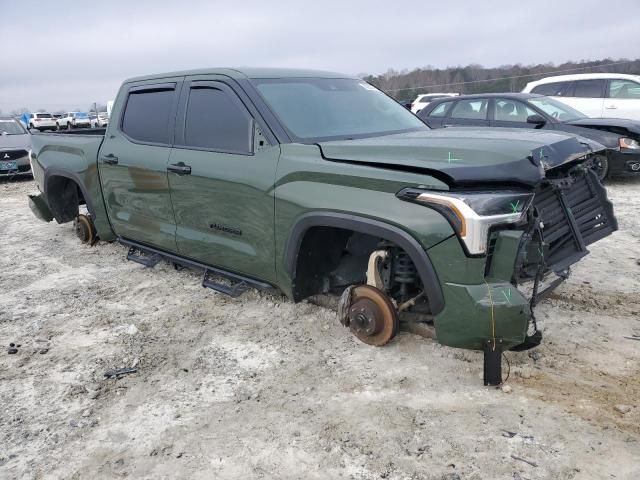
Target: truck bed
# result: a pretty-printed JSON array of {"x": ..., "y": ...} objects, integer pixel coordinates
[{"x": 74, "y": 155}]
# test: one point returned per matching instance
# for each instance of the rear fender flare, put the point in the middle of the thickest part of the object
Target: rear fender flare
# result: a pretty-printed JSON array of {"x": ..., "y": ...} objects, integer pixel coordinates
[
  {"x": 365, "y": 225},
  {"x": 57, "y": 172}
]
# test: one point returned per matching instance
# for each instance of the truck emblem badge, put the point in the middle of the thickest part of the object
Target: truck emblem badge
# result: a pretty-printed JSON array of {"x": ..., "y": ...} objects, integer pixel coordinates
[{"x": 6, "y": 155}]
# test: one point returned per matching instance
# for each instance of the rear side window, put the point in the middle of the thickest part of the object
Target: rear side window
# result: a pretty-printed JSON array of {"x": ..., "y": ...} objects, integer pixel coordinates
[
  {"x": 472, "y": 109},
  {"x": 217, "y": 120},
  {"x": 441, "y": 110},
  {"x": 588, "y": 88},
  {"x": 146, "y": 115},
  {"x": 624, "y": 89},
  {"x": 555, "y": 89}
]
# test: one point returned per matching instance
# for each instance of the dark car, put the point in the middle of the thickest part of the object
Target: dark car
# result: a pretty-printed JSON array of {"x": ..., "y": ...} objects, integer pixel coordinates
[
  {"x": 15, "y": 143},
  {"x": 526, "y": 110}
]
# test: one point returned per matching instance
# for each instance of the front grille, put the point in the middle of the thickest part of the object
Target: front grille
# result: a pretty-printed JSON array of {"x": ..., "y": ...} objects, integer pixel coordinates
[
  {"x": 7, "y": 155},
  {"x": 574, "y": 212}
]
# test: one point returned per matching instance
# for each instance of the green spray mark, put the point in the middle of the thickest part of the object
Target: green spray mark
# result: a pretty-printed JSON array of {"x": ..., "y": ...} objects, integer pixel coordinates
[
  {"x": 515, "y": 206},
  {"x": 507, "y": 296},
  {"x": 451, "y": 159}
]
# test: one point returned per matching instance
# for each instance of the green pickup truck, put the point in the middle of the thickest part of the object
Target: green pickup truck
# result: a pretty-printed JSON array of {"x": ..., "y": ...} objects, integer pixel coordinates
[{"x": 313, "y": 183}]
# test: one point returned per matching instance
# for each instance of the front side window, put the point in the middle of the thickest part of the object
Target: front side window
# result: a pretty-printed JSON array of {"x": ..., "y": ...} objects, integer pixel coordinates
[
  {"x": 507, "y": 110},
  {"x": 146, "y": 115},
  {"x": 588, "y": 88},
  {"x": 624, "y": 89},
  {"x": 216, "y": 120},
  {"x": 315, "y": 109},
  {"x": 472, "y": 109},
  {"x": 555, "y": 109}
]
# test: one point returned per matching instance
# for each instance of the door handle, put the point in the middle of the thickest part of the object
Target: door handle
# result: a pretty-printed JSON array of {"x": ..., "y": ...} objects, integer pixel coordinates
[
  {"x": 611, "y": 107},
  {"x": 179, "y": 168},
  {"x": 110, "y": 159}
]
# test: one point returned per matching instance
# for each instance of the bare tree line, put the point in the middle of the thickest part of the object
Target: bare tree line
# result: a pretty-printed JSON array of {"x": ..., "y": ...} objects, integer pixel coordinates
[{"x": 405, "y": 85}]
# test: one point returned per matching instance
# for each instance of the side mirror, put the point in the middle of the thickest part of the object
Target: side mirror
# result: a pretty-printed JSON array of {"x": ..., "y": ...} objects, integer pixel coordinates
[{"x": 537, "y": 120}]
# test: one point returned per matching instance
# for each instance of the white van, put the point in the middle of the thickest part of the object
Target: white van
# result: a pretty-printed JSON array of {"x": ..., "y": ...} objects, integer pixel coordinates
[{"x": 597, "y": 95}]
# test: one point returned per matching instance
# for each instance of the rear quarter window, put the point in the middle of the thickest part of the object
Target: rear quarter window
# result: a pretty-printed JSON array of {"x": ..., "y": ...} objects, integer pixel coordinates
[
  {"x": 146, "y": 115},
  {"x": 440, "y": 110}
]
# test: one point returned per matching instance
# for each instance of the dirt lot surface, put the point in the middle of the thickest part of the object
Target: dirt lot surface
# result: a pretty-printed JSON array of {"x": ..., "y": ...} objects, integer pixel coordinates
[{"x": 258, "y": 387}]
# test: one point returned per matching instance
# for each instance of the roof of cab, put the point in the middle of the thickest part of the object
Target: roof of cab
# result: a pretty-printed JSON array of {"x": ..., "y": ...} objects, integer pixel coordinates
[{"x": 246, "y": 73}]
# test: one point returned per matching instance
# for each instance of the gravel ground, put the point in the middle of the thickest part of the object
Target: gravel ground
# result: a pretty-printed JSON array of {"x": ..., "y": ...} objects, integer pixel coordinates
[{"x": 258, "y": 387}]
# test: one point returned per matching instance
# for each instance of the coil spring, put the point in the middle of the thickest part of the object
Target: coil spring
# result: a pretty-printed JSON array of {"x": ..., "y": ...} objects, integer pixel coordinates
[{"x": 404, "y": 271}]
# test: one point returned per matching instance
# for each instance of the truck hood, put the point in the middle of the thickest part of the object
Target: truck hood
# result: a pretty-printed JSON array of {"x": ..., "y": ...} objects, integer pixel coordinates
[{"x": 467, "y": 156}]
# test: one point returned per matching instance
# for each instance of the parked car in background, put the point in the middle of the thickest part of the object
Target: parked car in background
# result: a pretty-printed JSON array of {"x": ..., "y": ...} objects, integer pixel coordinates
[
  {"x": 621, "y": 137},
  {"x": 422, "y": 101},
  {"x": 71, "y": 120},
  {"x": 39, "y": 121},
  {"x": 597, "y": 95},
  {"x": 100, "y": 120},
  {"x": 15, "y": 143}
]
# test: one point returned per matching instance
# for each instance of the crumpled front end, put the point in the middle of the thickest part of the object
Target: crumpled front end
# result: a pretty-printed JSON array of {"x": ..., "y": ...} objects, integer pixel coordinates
[{"x": 493, "y": 297}]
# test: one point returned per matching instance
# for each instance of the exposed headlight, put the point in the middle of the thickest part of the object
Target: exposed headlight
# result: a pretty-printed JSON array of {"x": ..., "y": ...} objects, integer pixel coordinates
[
  {"x": 629, "y": 143},
  {"x": 472, "y": 214}
]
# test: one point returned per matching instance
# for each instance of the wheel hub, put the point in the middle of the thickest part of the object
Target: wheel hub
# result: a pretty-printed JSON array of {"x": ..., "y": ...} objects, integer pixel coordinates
[
  {"x": 370, "y": 315},
  {"x": 365, "y": 317}
]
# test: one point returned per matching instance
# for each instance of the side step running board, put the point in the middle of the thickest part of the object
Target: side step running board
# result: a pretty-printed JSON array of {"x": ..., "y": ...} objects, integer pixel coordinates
[
  {"x": 217, "y": 279},
  {"x": 143, "y": 258},
  {"x": 234, "y": 289}
]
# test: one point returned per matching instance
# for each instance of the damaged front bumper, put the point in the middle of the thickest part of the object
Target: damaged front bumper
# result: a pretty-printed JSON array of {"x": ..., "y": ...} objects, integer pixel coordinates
[{"x": 522, "y": 264}]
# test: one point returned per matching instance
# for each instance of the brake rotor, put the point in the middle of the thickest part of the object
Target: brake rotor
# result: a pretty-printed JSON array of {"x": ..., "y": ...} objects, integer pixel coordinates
[
  {"x": 371, "y": 316},
  {"x": 84, "y": 229}
]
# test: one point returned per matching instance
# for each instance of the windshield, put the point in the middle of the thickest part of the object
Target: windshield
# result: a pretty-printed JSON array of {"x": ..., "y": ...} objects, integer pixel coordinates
[
  {"x": 81, "y": 115},
  {"x": 11, "y": 127},
  {"x": 556, "y": 109},
  {"x": 314, "y": 109},
  {"x": 43, "y": 115}
]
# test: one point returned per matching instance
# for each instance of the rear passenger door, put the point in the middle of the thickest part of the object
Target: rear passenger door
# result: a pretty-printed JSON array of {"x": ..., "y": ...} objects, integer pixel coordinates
[
  {"x": 468, "y": 112},
  {"x": 133, "y": 162},
  {"x": 221, "y": 174}
]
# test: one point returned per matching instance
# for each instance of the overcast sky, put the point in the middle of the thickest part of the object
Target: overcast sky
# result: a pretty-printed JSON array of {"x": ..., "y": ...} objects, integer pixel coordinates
[{"x": 64, "y": 54}]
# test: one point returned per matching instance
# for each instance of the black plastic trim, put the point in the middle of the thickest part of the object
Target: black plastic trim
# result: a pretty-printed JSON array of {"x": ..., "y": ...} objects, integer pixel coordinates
[
  {"x": 372, "y": 227},
  {"x": 57, "y": 172}
]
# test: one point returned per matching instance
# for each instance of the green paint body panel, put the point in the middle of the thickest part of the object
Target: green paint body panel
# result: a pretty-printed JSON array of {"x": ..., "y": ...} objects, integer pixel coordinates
[
  {"x": 467, "y": 318},
  {"x": 238, "y": 211}
]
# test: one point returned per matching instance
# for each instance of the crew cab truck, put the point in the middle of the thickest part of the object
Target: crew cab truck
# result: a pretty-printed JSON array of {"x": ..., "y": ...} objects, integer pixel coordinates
[{"x": 314, "y": 183}]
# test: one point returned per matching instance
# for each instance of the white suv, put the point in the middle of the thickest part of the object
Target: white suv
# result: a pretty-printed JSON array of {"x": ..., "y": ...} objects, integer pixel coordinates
[
  {"x": 41, "y": 121},
  {"x": 71, "y": 120},
  {"x": 423, "y": 100},
  {"x": 597, "y": 95}
]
